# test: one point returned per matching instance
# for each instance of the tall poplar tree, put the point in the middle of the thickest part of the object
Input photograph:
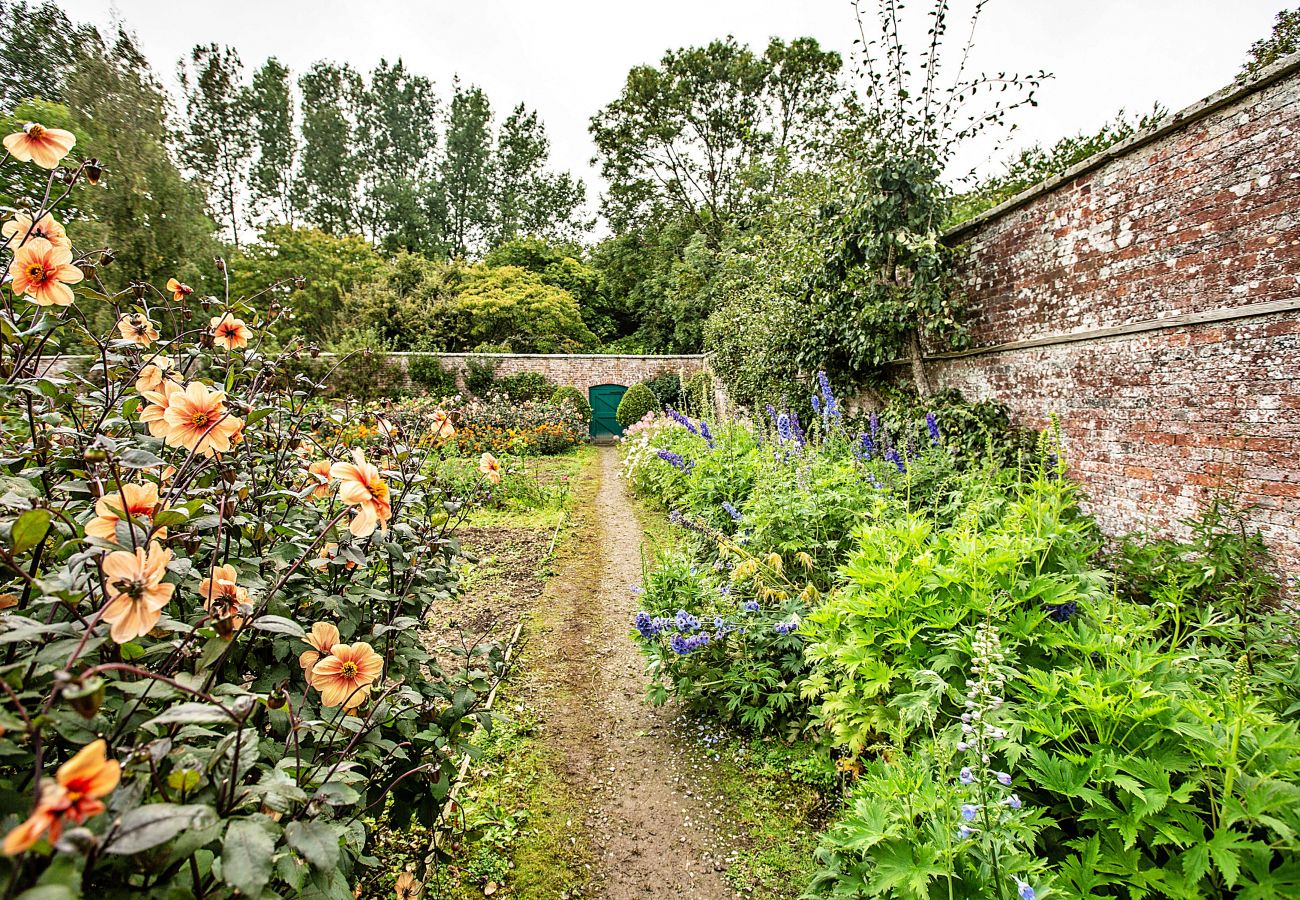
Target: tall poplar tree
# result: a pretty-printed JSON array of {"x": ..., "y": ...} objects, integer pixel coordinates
[
  {"x": 528, "y": 199},
  {"x": 463, "y": 204},
  {"x": 327, "y": 186},
  {"x": 397, "y": 146},
  {"x": 270, "y": 107},
  {"x": 217, "y": 145}
]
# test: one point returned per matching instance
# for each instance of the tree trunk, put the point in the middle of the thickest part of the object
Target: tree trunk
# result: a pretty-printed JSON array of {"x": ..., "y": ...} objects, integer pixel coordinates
[{"x": 918, "y": 366}]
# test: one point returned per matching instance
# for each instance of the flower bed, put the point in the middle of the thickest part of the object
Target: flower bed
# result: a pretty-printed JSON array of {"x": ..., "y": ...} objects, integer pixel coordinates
[
  {"x": 212, "y": 602},
  {"x": 1022, "y": 722}
]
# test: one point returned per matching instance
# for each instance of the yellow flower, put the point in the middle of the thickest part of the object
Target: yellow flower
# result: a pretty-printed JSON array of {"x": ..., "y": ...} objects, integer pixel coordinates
[
  {"x": 197, "y": 419},
  {"x": 133, "y": 500},
  {"x": 344, "y": 677},
  {"x": 361, "y": 486},
  {"x": 44, "y": 272}
]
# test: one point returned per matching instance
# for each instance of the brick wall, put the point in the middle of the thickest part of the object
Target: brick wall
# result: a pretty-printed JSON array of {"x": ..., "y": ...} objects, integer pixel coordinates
[
  {"x": 582, "y": 371},
  {"x": 1149, "y": 296}
]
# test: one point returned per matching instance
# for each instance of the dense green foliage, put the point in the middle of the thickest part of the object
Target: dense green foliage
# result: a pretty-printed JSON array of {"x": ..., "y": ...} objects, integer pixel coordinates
[
  {"x": 569, "y": 394},
  {"x": 1023, "y": 721},
  {"x": 637, "y": 401}
]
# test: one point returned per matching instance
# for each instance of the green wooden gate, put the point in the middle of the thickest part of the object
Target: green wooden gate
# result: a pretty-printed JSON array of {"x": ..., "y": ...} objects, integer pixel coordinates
[{"x": 604, "y": 404}]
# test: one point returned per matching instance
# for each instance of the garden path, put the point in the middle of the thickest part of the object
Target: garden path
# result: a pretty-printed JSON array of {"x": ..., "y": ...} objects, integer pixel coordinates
[{"x": 649, "y": 833}]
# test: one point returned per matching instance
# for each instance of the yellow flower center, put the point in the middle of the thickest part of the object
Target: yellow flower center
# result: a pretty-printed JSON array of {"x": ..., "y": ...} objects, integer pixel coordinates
[
  {"x": 349, "y": 670},
  {"x": 200, "y": 419},
  {"x": 36, "y": 272},
  {"x": 35, "y": 131}
]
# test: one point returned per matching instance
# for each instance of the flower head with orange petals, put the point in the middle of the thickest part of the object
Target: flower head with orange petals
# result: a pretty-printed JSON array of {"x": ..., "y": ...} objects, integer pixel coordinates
[
  {"x": 41, "y": 145},
  {"x": 154, "y": 413},
  {"x": 197, "y": 419},
  {"x": 73, "y": 795},
  {"x": 159, "y": 369},
  {"x": 136, "y": 590},
  {"x": 43, "y": 272},
  {"x": 136, "y": 328},
  {"x": 323, "y": 638},
  {"x": 179, "y": 289},
  {"x": 222, "y": 598},
  {"x": 132, "y": 501},
  {"x": 361, "y": 486},
  {"x": 229, "y": 332},
  {"x": 20, "y": 229},
  {"x": 345, "y": 676},
  {"x": 440, "y": 427},
  {"x": 319, "y": 474},
  {"x": 488, "y": 465}
]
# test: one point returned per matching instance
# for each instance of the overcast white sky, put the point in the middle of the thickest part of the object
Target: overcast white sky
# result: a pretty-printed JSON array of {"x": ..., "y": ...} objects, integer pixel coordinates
[{"x": 567, "y": 58}]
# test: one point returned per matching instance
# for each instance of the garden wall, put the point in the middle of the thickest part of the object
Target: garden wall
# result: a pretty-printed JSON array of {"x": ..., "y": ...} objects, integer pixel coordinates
[
  {"x": 582, "y": 371},
  {"x": 1150, "y": 297}
]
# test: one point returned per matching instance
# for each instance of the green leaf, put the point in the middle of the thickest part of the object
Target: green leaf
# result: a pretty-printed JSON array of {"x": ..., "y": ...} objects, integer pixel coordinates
[
  {"x": 316, "y": 841},
  {"x": 135, "y": 458},
  {"x": 279, "y": 625},
  {"x": 29, "y": 530},
  {"x": 192, "y": 713},
  {"x": 148, "y": 826},
  {"x": 247, "y": 854}
]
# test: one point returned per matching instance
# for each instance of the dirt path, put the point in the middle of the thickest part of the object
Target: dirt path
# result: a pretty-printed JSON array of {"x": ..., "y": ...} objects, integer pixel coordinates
[{"x": 647, "y": 832}]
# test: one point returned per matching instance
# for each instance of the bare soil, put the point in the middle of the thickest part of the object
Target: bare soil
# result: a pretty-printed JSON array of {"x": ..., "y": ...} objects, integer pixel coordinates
[{"x": 646, "y": 832}]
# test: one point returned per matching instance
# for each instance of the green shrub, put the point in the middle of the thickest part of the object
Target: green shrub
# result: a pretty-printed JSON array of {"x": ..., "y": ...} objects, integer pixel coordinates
[
  {"x": 480, "y": 377},
  {"x": 426, "y": 371},
  {"x": 638, "y": 401},
  {"x": 697, "y": 394},
  {"x": 568, "y": 394},
  {"x": 525, "y": 386},
  {"x": 667, "y": 388}
]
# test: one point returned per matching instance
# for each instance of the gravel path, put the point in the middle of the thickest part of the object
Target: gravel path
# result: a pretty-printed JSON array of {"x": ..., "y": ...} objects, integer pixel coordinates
[{"x": 649, "y": 837}]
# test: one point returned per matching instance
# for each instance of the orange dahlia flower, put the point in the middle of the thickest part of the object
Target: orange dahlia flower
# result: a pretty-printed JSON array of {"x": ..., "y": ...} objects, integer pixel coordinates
[
  {"x": 23, "y": 229},
  {"x": 44, "y": 271},
  {"x": 179, "y": 289},
  {"x": 323, "y": 638},
  {"x": 229, "y": 332},
  {"x": 319, "y": 472},
  {"x": 344, "y": 677},
  {"x": 441, "y": 427},
  {"x": 488, "y": 465},
  {"x": 155, "y": 412},
  {"x": 160, "y": 369},
  {"x": 73, "y": 794},
  {"x": 222, "y": 598},
  {"x": 361, "y": 486},
  {"x": 41, "y": 145},
  {"x": 132, "y": 501},
  {"x": 136, "y": 590},
  {"x": 137, "y": 328},
  {"x": 197, "y": 419}
]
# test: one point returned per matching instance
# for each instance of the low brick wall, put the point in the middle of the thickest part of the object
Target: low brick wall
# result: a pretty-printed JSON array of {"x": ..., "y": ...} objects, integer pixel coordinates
[
  {"x": 582, "y": 371},
  {"x": 1151, "y": 297}
]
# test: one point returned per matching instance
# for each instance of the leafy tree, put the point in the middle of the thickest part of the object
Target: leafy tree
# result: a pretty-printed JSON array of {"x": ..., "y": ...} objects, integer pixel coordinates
[
  {"x": 885, "y": 283},
  {"x": 700, "y": 134},
  {"x": 270, "y": 107},
  {"x": 330, "y": 268},
  {"x": 1282, "y": 41},
  {"x": 529, "y": 200},
  {"x": 329, "y": 172},
  {"x": 561, "y": 266},
  {"x": 397, "y": 149},
  {"x": 399, "y": 303},
  {"x": 153, "y": 218},
  {"x": 512, "y": 308},
  {"x": 462, "y": 203},
  {"x": 216, "y": 144},
  {"x": 38, "y": 32}
]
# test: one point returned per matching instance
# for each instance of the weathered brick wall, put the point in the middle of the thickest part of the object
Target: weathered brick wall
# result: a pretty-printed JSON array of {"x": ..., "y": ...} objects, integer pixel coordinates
[
  {"x": 582, "y": 371},
  {"x": 1161, "y": 284}
]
